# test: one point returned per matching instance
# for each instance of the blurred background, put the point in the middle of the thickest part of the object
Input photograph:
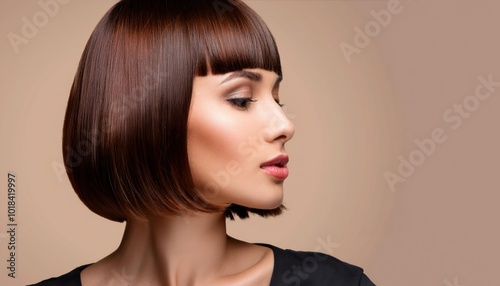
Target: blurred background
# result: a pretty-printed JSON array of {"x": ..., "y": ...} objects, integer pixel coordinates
[{"x": 393, "y": 166}]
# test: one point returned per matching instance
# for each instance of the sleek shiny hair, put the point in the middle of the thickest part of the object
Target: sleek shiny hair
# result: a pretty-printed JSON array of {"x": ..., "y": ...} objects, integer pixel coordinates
[{"x": 125, "y": 129}]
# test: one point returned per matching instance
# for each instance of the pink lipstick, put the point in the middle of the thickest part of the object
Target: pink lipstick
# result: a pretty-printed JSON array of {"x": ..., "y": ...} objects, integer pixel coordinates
[{"x": 276, "y": 167}]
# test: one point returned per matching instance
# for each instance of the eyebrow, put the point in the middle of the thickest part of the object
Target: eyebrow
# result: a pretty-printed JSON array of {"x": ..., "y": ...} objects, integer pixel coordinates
[{"x": 253, "y": 76}]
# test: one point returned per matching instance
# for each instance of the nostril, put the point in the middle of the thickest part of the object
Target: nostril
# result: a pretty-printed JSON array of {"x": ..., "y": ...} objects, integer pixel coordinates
[{"x": 281, "y": 137}]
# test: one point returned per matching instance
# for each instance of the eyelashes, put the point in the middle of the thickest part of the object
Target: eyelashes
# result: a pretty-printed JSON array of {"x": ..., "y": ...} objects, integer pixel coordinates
[{"x": 242, "y": 102}]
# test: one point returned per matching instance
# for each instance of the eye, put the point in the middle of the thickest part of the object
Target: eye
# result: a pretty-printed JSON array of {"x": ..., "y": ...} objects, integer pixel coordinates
[
  {"x": 241, "y": 102},
  {"x": 278, "y": 102}
]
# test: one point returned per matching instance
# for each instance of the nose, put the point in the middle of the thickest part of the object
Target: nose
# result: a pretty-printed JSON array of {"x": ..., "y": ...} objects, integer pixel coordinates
[{"x": 280, "y": 127}]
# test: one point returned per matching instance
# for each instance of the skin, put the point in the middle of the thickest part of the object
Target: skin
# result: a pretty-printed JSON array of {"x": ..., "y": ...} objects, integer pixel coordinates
[{"x": 227, "y": 143}]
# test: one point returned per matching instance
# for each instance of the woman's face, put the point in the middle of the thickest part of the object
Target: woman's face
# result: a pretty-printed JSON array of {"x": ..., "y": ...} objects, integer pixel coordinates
[{"x": 235, "y": 125}]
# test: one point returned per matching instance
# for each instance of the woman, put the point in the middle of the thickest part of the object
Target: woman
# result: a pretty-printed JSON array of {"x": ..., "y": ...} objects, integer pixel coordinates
[{"x": 180, "y": 100}]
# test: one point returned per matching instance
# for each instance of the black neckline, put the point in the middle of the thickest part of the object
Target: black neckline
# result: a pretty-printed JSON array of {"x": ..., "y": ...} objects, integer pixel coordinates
[{"x": 274, "y": 249}]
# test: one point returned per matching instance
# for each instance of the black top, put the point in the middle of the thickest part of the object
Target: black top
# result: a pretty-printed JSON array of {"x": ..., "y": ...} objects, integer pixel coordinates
[{"x": 290, "y": 268}]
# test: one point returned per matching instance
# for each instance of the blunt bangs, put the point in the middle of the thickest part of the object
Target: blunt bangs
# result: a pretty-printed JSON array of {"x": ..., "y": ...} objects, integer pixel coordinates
[
  {"x": 232, "y": 39},
  {"x": 125, "y": 127}
]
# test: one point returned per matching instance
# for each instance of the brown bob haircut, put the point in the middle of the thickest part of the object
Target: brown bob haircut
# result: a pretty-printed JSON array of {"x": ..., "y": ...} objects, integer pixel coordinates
[{"x": 125, "y": 128}]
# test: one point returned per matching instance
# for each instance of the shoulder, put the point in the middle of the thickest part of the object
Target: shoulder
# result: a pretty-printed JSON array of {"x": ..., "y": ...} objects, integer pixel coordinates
[
  {"x": 71, "y": 278},
  {"x": 314, "y": 268}
]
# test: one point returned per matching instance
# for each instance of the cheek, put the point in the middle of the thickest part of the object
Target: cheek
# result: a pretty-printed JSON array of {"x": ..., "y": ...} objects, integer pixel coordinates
[
  {"x": 213, "y": 140},
  {"x": 213, "y": 136}
]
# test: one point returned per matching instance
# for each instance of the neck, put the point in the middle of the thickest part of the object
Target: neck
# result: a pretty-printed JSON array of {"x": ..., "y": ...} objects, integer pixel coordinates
[{"x": 175, "y": 251}]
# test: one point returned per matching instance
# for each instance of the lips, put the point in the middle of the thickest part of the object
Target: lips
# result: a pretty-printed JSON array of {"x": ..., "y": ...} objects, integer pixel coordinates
[
  {"x": 279, "y": 161},
  {"x": 276, "y": 167}
]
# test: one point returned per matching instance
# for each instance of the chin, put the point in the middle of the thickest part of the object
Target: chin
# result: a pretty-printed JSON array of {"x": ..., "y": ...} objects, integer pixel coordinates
[
  {"x": 275, "y": 203},
  {"x": 264, "y": 202}
]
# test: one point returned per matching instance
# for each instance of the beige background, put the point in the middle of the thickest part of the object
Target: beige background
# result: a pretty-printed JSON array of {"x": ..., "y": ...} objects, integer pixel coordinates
[{"x": 438, "y": 227}]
